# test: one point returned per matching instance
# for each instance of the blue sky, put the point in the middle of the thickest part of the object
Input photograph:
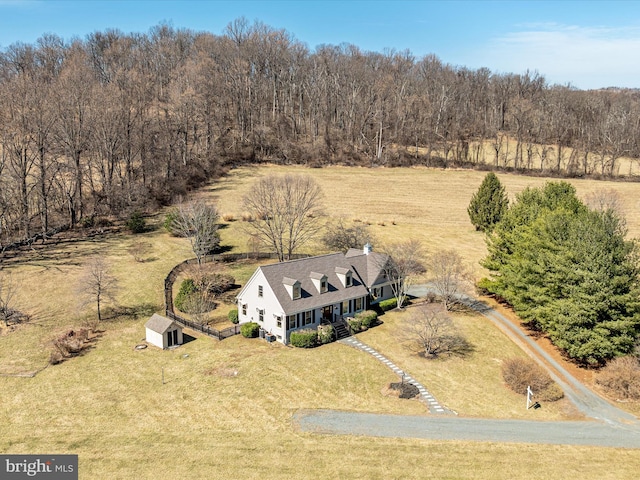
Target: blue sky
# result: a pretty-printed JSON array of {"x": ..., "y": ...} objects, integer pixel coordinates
[{"x": 590, "y": 44}]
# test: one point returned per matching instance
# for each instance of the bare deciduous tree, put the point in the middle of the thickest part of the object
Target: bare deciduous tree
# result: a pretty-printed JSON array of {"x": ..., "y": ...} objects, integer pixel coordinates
[
  {"x": 139, "y": 250},
  {"x": 431, "y": 330},
  {"x": 341, "y": 237},
  {"x": 198, "y": 221},
  {"x": 604, "y": 199},
  {"x": 97, "y": 285},
  {"x": 403, "y": 262},
  {"x": 286, "y": 211},
  {"x": 449, "y": 276},
  {"x": 8, "y": 290}
]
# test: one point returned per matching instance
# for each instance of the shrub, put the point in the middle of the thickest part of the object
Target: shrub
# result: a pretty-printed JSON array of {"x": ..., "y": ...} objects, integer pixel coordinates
[
  {"x": 552, "y": 393},
  {"x": 621, "y": 378},
  {"x": 326, "y": 334},
  {"x": 139, "y": 250},
  {"x": 215, "y": 284},
  {"x": 136, "y": 223},
  {"x": 519, "y": 372},
  {"x": 304, "y": 338},
  {"x": 249, "y": 330},
  {"x": 228, "y": 217},
  {"x": 169, "y": 221},
  {"x": 69, "y": 344},
  {"x": 355, "y": 324},
  {"x": 368, "y": 318},
  {"x": 87, "y": 222},
  {"x": 187, "y": 288},
  {"x": 233, "y": 316},
  {"x": 389, "y": 304}
]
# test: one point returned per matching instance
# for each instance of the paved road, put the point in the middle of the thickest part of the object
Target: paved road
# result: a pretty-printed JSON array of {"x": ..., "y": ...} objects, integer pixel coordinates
[
  {"x": 470, "y": 429},
  {"x": 612, "y": 427}
]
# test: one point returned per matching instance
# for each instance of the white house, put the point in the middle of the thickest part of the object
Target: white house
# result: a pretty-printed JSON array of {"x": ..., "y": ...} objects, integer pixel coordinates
[
  {"x": 304, "y": 293},
  {"x": 163, "y": 332}
]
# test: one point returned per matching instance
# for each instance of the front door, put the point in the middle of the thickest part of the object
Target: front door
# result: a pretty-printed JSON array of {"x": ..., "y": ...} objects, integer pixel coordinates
[
  {"x": 169, "y": 339},
  {"x": 327, "y": 313}
]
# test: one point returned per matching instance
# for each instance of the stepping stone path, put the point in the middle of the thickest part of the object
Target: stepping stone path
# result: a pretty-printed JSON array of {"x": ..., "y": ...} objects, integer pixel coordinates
[{"x": 425, "y": 396}]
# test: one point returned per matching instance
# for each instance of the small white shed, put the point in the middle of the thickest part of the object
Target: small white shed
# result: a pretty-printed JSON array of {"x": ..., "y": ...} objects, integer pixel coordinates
[{"x": 163, "y": 332}]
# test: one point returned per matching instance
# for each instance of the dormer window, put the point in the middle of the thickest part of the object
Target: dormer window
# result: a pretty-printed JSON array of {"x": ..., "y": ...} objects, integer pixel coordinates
[
  {"x": 345, "y": 276},
  {"x": 293, "y": 287},
  {"x": 319, "y": 281}
]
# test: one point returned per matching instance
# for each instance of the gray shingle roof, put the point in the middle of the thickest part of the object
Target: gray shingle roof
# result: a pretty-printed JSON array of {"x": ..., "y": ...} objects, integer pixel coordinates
[
  {"x": 305, "y": 269},
  {"x": 369, "y": 267},
  {"x": 158, "y": 323}
]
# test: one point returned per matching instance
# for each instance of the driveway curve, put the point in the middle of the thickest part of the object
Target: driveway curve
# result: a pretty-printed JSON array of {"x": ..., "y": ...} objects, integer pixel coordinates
[
  {"x": 587, "y": 401},
  {"x": 612, "y": 427}
]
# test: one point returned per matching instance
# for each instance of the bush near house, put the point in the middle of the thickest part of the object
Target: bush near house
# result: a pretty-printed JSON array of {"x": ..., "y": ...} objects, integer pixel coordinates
[
  {"x": 355, "y": 324},
  {"x": 326, "y": 334},
  {"x": 232, "y": 316},
  {"x": 389, "y": 304},
  {"x": 249, "y": 330},
  {"x": 304, "y": 338},
  {"x": 368, "y": 318}
]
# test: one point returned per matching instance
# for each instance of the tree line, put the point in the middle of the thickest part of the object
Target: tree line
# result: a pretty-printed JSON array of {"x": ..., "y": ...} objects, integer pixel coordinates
[{"x": 113, "y": 122}]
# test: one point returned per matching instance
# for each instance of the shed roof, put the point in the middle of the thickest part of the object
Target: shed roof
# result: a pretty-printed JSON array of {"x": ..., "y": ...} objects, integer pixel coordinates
[{"x": 159, "y": 324}]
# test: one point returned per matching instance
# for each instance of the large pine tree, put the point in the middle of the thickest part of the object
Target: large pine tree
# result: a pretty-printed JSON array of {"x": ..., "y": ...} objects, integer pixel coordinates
[
  {"x": 488, "y": 204},
  {"x": 569, "y": 272}
]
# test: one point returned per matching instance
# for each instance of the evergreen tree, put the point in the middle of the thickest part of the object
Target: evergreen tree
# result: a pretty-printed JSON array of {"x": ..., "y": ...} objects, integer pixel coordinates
[
  {"x": 568, "y": 271},
  {"x": 488, "y": 204}
]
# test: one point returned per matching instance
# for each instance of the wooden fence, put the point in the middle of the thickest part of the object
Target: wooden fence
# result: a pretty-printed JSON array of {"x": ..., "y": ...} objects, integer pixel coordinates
[
  {"x": 223, "y": 257},
  {"x": 206, "y": 329}
]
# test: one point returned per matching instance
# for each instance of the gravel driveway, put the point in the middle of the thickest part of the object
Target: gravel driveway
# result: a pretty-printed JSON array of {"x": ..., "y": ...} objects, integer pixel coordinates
[
  {"x": 612, "y": 427},
  {"x": 471, "y": 429}
]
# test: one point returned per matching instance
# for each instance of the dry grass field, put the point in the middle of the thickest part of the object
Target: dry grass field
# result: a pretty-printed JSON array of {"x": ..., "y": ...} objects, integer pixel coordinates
[
  {"x": 225, "y": 408},
  {"x": 426, "y": 204}
]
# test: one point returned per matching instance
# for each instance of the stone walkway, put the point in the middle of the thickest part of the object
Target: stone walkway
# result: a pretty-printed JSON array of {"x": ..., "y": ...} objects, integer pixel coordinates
[{"x": 425, "y": 396}]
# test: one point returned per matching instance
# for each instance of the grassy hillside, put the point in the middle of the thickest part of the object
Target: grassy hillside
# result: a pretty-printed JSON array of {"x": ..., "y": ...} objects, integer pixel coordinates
[
  {"x": 427, "y": 204},
  {"x": 225, "y": 408}
]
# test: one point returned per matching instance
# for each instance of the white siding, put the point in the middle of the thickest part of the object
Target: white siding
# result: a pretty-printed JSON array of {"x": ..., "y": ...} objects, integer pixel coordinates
[
  {"x": 268, "y": 303},
  {"x": 161, "y": 340},
  {"x": 155, "y": 338}
]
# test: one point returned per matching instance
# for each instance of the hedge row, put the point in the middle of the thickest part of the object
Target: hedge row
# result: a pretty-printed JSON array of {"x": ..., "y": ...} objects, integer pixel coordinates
[{"x": 304, "y": 338}]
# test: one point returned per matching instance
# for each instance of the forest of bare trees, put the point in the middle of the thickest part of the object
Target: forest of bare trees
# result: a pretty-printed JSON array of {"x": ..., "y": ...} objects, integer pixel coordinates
[{"x": 116, "y": 122}]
